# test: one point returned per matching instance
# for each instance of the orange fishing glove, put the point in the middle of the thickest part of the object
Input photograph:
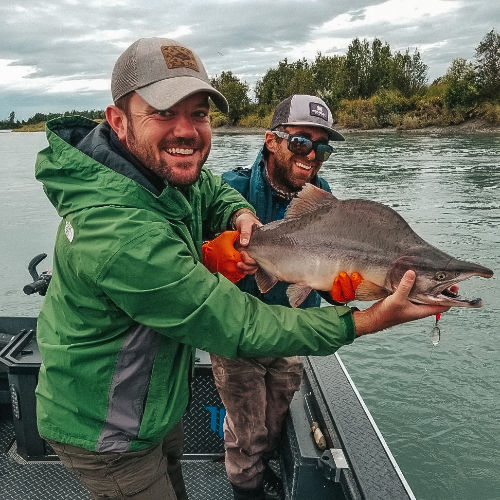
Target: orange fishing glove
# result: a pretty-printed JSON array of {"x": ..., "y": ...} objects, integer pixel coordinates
[
  {"x": 344, "y": 286},
  {"x": 220, "y": 256}
]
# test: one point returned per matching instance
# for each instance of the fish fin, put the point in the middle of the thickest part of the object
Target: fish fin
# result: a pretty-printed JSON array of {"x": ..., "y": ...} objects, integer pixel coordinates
[
  {"x": 308, "y": 200},
  {"x": 264, "y": 280},
  {"x": 297, "y": 294},
  {"x": 367, "y": 290}
]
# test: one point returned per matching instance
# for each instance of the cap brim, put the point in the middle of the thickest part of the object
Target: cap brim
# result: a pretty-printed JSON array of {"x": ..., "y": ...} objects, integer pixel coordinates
[
  {"x": 167, "y": 93},
  {"x": 333, "y": 135}
]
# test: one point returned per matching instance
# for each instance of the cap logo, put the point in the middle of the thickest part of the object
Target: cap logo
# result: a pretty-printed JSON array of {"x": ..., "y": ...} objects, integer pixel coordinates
[
  {"x": 179, "y": 57},
  {"x": 318, "y": 110}
]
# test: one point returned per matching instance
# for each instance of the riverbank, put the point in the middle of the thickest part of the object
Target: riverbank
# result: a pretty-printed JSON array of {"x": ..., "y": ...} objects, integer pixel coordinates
[{"x": 475, "y": 126}]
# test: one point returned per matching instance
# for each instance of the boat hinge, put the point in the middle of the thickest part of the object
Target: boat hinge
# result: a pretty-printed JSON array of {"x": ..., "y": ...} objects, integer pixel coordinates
[{"x": 332, "y": 462}]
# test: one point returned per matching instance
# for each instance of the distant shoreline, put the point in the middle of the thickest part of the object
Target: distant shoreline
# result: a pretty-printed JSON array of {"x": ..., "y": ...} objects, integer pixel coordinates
[
  {"x": 467, "y": 127},
  {"x": 475, "y": 126}
]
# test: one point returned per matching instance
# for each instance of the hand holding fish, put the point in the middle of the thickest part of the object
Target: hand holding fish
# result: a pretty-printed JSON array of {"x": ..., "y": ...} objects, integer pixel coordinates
[
  {"x": 395, "y": 309},
  {"x": 247, "y": 265},
  {"x": 219, "y": 255},
  {"x": 244, "y": 221},
  {"x": 344, "y": 287}
]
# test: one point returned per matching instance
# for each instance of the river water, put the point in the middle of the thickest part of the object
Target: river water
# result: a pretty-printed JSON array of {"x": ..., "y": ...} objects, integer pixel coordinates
[{"x": 437, "y": 406}]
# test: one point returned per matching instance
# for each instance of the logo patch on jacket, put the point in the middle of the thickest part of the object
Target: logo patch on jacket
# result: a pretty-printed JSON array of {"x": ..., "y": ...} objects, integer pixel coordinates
[
  {"x": 318, "y": 110},
  {"x": 179, "y": 57},
  {"x": 69, "y": 231}
]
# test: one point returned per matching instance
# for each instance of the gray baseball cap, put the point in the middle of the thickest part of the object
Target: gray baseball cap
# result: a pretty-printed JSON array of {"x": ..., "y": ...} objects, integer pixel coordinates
[
  {"x": 300, "y": 109},
  {"x": 162, "y": 72}
]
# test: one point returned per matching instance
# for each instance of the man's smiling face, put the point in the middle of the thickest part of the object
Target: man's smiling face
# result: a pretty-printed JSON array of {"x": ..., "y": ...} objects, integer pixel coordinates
[
  {"x": 173, "y": 143},
  {"x": 292, "y": 171}
]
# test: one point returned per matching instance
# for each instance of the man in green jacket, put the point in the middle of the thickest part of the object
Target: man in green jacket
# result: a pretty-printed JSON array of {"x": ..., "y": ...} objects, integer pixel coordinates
[{"x": 130, "y": 300}]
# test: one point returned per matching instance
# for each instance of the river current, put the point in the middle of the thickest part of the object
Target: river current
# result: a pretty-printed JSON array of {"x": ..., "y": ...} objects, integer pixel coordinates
[{"x": 436, "y": 406}]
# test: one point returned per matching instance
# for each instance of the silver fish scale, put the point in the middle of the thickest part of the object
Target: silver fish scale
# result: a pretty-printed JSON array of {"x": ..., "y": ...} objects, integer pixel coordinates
[{"x": 332, "y": 235}]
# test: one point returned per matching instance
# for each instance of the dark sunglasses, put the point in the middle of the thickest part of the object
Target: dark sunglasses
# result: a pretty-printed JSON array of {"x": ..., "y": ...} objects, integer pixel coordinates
[{"x": 302, "y": 146}]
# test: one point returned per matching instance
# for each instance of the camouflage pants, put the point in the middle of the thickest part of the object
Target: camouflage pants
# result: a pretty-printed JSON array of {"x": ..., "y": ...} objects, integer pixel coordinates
[{"x": 256, "y": 394}]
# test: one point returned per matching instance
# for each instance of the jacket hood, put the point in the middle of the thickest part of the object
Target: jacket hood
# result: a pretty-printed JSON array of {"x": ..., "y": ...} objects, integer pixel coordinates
[{"x": 74, "y": 181}]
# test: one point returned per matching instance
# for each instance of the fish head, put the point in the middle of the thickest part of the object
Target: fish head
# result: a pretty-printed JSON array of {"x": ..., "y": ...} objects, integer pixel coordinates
[{"x": 437, "y": 273}]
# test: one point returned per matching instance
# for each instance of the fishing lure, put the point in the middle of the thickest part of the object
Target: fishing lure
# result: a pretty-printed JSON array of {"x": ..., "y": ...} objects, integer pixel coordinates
[{"x": 436, "y": 332}]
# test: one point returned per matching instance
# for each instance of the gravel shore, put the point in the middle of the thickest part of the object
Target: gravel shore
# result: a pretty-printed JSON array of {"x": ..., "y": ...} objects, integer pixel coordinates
[{"x": 468, "y": 127}]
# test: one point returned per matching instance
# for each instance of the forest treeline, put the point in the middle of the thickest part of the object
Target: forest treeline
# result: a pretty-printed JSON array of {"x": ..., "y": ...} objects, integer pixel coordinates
[
  {"x": 39, "y": 118},
  {"x": 369, "y": 87}
]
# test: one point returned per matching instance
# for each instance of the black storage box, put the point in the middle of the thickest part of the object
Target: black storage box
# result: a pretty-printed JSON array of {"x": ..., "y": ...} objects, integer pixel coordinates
[{"x": 22, "y": 360}]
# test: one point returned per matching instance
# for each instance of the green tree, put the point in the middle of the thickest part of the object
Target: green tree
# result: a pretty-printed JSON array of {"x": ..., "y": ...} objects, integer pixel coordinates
[
  {"x": 329, "y": 79},
  {"x": 357, "y": 69},
  {"x": 488, "y": 65},
  {"x": 461, "y": 88},
  {"x": 12, "y": 117},
  {"x": 409, "y": 73},
  {"x": 269, "y": 89},
  {"x": 460, "y": 69},
  {"x": 461, "y": 93},
  {"x": 283, "y": 81},
  {"x": 302, "y": 82},
  {"x": 380, "y": 67},
  {"x": 367, "y": 68},
  {"x": 236, "y": 93}
]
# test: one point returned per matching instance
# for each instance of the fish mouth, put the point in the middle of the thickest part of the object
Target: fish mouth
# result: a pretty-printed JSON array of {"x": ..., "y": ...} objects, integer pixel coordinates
[
  {"x": 453, "y": 298},
  {"x": 447, "y": 297}
]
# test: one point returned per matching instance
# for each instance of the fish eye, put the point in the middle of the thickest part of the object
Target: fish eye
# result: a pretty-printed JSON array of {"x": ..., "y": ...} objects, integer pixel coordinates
[{"x": 440, "y": 275}]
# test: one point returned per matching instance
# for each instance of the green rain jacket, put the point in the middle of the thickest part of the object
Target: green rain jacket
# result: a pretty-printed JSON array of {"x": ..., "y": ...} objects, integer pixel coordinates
[{"x": 129, "y": 299}]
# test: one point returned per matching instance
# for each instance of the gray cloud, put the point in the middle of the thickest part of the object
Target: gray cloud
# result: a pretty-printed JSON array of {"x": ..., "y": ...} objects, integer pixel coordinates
[{"x": 70, "y": 43}]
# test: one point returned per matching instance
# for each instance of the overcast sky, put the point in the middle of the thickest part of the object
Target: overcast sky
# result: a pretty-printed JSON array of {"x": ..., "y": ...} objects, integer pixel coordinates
[{"x": 57, "y": 56}]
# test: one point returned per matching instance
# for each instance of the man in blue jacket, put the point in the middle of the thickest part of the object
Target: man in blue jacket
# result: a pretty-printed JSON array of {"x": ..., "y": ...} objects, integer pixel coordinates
[{"x": 256, "y": 392}]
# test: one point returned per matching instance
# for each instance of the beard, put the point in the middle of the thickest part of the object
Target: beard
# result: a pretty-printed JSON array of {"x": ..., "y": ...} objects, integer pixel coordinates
[
  {"x": 286, "y": 176},
  {"x": 177, "y": 172}
]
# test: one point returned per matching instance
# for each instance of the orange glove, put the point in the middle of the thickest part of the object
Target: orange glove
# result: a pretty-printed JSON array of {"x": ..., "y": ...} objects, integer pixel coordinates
[
  {"x": 220, "y": 256},
  {"x": 344, "y": 287}
]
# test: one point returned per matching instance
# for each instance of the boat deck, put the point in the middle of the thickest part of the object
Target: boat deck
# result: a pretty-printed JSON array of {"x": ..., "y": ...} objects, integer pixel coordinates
[
  {"x": 355, "y": 464},
  {"x": 27, "y": 478},
  {"x": 49, "y": 479}
]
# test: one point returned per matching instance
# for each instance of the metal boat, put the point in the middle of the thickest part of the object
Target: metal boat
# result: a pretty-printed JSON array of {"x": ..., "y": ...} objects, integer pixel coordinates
[{"x": 351, "y": 462}]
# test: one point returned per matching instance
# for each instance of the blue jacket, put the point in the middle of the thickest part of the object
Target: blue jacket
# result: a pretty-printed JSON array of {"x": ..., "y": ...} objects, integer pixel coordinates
[{"x": 252, "y": 183}]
